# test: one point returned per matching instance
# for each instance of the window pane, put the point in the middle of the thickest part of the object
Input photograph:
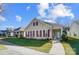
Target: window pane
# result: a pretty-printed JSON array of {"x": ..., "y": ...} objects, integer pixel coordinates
[
  {"x": 43, "y": 33},
  {"x": 36, "y": 23},
  {"x": 28, "y": 33},
  {"x": 40, "y": 33},
  {"x": 48, "y": 33},
  {"x": 33, "y": 23},
  {"x": 33, "y": 33},
  {"x": 37, "y": 33}
]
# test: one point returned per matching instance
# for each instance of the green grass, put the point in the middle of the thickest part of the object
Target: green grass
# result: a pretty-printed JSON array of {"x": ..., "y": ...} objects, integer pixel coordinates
[
  {"x": 40, "y": 45},
  {"x": 68, "y": 49},
  {"x": 71, "y": 46}
]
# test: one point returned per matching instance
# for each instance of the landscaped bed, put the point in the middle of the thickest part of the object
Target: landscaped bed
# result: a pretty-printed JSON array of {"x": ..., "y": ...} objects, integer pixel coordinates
[
  {"x": 37, "y": 44},
  {"x": 71, "y": 46}
]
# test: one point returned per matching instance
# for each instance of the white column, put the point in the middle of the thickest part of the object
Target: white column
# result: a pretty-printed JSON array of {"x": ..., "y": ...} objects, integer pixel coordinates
[
  {"x": 61, "y": 31},
  {"x": 24, "y": 34},
  {"x": 51, "y": 32}
]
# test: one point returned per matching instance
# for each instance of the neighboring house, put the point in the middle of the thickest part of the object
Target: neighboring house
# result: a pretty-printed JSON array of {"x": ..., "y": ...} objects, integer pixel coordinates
[
  {"x": 3, "y": 32},
  {"x": 74, "y": 29},
  {"x": 19, "y": 32},
  {"x": 10, "y": 31},
  {"x": 41, "y": 30}
]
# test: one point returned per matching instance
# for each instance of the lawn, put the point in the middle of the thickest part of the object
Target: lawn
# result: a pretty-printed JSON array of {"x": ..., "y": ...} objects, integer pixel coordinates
[
  {"x": 2, "y": 47},
  {"x": 39, "y": 45},
  {"x": 71, "y": 46}
]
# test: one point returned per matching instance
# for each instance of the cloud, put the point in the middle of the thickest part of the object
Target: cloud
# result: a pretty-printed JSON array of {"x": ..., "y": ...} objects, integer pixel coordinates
[
  {"x": 9, "y": 26},
  {"x": 18, "y": 18},
  {"x": 54, "y": 11},
  {"x": 41, "y": 9},
  {"x": 2, "y": 18},
  {"x": 50, "y": 21},
  {"x": 28, "y": 7},
  {"x": 61, "y": 10}
]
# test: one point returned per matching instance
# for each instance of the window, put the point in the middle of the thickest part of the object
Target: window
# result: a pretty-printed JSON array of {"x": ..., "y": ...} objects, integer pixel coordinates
[
  {"x": 36, "y": 23},
  {"x": 43, "y": 33},
  {"x": 48, "y": 33},
  {"x": 37, "y": 33},
  {"x": 33, "y": 23},
  {"x": 28, "y": 33},
  {"x": 40, "y": 33},
  {"x": 33, "y": 33}
]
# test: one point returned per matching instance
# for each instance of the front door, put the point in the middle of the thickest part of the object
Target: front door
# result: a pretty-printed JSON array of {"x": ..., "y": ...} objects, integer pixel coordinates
[{"x": 57, "y": 34}]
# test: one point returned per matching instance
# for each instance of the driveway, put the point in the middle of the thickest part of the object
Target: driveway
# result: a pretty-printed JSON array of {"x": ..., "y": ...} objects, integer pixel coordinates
[{"x": 12, "y": 49}]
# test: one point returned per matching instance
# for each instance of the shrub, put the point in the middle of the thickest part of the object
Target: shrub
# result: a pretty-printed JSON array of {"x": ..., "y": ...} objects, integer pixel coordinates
[{"x": 64, "y": 36}]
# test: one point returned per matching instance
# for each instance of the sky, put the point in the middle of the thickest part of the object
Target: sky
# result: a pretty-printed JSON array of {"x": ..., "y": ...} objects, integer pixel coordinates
[{"x": 21, "y": 14}]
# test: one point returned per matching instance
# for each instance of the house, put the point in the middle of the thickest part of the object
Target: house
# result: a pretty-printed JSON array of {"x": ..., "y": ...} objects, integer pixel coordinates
[
  {"x": 38, "y": 29},
  {"x": 74, "y": 29},
  {"x": 10, "y": 32},
  {"x": 19, "y": 32},
  {"x": 41, "y": 30},
  {"x": 3, "y": 32}
]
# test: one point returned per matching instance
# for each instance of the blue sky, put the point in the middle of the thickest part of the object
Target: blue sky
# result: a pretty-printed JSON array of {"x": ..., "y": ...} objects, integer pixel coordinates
[{"x": 20, "y": 14}]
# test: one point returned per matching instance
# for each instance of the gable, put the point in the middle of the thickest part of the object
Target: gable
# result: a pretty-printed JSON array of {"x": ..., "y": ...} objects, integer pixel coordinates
[
  {"x": 74, "y": 27},
  {"x": 37, "y": 24}
]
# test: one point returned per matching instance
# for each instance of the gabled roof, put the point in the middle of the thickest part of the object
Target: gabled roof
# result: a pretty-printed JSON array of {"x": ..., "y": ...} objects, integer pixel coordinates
[
  {"x": 19, "y": 29},
  {"x": 3, "y": 30},
  {"x": 51, "y": 24}
]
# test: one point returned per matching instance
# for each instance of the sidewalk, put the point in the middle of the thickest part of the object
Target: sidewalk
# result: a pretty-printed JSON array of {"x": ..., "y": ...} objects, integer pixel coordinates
[{"x": 57, "y": 48}]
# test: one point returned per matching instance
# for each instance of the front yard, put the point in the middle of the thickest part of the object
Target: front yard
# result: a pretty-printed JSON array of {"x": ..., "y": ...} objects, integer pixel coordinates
[
  {"x": 39, "y": 45},
  {"x": 2, "y": 47},
  {"x": 71, "y": 46}
]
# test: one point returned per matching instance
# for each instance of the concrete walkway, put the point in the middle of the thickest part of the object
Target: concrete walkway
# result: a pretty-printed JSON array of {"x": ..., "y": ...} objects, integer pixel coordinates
[
  {"x": 12, "y": 49},
  {"x": 57, "y": 48}
]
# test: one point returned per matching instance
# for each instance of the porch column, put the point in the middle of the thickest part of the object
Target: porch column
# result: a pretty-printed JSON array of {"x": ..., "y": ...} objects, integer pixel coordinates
[
  {"x": 51, "y": 33},
  {"x": 24, "y": 34},
  {"x": 19, "y": 34},
  {"x": 61, "y": 30}
]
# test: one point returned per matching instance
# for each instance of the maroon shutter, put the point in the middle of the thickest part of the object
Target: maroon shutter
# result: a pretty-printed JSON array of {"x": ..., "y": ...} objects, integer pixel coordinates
[
  {"x": 36, "y": 23},
  {"x": 33, "y": 23},
  {"x": 37, "y": 33},
  {"x": 43, "y": 33},
  {"x": 40, "y": 33},
  {"x": 28, "y": 33},
  {"x": 48, "y": 33},
  {"x": 33, "y": 33}
]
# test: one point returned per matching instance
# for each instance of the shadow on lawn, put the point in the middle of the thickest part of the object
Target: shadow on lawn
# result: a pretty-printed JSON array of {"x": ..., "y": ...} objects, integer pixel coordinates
[
  {"x": 74, "y": 43},
  {"x": 25, "y": 42}
]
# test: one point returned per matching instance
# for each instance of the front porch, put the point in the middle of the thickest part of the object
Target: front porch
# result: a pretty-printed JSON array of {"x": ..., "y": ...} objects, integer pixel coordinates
[{"x": 56, "y": 34}]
